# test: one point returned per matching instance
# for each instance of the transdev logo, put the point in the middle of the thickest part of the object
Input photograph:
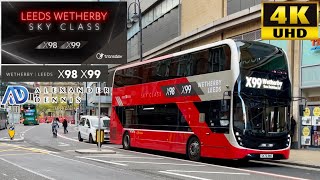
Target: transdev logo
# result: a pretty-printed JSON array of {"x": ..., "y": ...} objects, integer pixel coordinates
[{"x": 16, "y": 95}]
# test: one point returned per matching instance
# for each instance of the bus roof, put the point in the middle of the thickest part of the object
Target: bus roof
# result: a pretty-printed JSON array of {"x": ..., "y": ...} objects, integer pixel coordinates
[
  {"x": 27, "y": 103},
  {"x": 219, "y": 43}
]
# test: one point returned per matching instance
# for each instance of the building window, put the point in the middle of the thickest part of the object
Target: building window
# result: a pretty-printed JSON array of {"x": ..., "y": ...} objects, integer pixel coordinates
[
  {"x": 154, "y": 14},
  {"x": 234, "y": 6},
  {"x": 250, "y": 36}
]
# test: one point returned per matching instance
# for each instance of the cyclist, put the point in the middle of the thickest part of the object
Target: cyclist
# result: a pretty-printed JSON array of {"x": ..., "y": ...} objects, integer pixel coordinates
[{"x": 55, "y": 125}]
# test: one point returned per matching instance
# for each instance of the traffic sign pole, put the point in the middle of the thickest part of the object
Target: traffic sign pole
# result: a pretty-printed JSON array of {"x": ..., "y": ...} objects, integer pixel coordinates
[{"x": 99, "y": 123}]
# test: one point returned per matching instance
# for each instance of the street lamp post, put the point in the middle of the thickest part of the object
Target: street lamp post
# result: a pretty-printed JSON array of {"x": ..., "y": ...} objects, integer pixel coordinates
[{"x": 136, "y": 18}]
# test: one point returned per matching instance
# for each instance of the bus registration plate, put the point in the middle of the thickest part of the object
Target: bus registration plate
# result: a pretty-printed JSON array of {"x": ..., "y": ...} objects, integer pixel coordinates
[{"x": 266, "y": 156}]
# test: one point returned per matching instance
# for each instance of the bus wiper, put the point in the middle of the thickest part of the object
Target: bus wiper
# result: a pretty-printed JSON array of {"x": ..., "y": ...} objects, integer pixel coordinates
[{"x": 256, "y": 116}]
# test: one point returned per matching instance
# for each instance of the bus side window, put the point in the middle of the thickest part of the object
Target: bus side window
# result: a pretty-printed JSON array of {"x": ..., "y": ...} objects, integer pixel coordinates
[
  {"x": 220, "y": 59},
  {"x": 200, "y": 60},
  {"x": 147, "y": 73},
  {"x": 173, "y": 72},
  {"x": 218, "y": 120},
  {"x": 227, "y": 60},
  {"x": 118, "y": 79}
]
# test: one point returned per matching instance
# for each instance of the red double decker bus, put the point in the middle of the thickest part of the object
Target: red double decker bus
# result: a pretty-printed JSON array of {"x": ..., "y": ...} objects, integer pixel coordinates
[{"x": 229, "y": 99}]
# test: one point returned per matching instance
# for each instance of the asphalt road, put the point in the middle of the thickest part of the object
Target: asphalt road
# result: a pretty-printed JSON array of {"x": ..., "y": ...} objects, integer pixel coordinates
[{"x": 41, "y": 156}]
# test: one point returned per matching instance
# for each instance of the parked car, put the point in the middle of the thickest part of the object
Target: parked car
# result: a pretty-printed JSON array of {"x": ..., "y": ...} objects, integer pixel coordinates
[{"x": 88, "y": 126}]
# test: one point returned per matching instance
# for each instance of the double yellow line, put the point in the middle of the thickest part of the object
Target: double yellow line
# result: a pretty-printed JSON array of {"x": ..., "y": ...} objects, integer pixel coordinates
[{"x": 16, "y": 147}]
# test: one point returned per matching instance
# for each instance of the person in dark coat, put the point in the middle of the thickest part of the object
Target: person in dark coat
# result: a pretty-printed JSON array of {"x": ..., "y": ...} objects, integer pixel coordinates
[
  {"x": 65, "y": 125},
  {"x": 293, "y": 126}
]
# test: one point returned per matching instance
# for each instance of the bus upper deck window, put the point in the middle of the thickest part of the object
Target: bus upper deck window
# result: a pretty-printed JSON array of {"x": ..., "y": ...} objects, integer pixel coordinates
[{"x": 227, "y": 61}]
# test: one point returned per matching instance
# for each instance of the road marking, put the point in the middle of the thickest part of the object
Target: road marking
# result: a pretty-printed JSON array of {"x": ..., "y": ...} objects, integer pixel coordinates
[
  {"x": 108, "y": 162},
  {"x": 26, "y": 169},
  {"x": 67, "y": 138},
  {"x": 4, "y": 174},
  {"x": 4, "y": 155},
  {"x": 71, "y": 150},
  {"x": 78, "y": 161},
  {"x": 213, "y": 165},
  {"x": 109, "y": 155},
  {"x": 287, "y": 165},
  {"x": 36, "y": 150},
  {"x": 63, "y": 144},
  {"x": 174, "y": 164},
  {"x": 15, "y": 179},
  {"x": 9, "y": 150},
  {"x": 25, "y": 131},
  {"x": 126, "y": 157},
  {"x": 183, "y": 175},
  {"x": 209, "y": 172}
]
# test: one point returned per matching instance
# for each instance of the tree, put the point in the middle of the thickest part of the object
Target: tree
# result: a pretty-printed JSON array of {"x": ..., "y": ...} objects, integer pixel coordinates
[{"x": 44, "y": 107}]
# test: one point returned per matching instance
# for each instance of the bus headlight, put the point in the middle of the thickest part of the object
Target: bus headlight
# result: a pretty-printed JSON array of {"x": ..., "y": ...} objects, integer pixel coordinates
[{"x": 238, "y": 138}]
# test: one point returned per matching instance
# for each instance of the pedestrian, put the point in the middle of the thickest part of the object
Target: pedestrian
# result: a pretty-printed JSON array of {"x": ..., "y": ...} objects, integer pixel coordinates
[
  {"x": 65, "y": 125},
  {"x": 293, "y": 126},
  {"x": 55, "y": 125}
]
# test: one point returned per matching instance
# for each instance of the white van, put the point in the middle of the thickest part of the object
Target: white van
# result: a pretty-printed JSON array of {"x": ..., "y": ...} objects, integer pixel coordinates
[{"x": 88, "y": 126}]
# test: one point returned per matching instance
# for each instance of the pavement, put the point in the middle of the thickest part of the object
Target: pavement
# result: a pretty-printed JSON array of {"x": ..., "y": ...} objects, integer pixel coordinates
[
  {"x": 40, "y": 156},
  {"x": 302, "y": 157}
]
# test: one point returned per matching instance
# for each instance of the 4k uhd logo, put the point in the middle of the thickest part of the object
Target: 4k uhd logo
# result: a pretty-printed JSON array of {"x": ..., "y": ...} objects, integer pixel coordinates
[
  {"x": 289, "y": 20},
  {"x": 16, "y": 95}
]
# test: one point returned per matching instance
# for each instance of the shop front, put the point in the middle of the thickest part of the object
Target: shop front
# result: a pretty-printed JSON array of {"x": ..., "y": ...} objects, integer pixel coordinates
[
  {"x": 310, "y": 89},
  {"x": 310, "y": 127}
]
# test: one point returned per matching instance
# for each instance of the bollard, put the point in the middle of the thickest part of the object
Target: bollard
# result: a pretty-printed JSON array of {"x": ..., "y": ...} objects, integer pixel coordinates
[
  {"x": 99, "y": 139},
  {"x": 11, "y": 131}
]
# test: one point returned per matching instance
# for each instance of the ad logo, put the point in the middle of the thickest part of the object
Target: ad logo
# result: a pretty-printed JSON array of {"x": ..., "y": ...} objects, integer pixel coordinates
[
  {"x": 108, "y": 56},
  {"x": 16, "y": 95},
  {"x": 289, "y": 20}
]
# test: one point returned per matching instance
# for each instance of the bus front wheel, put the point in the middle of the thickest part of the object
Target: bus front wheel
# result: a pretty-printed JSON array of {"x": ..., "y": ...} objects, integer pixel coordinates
[
  {"x": 194, "y": 149},
  {"x": 126, "y": 141}
]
